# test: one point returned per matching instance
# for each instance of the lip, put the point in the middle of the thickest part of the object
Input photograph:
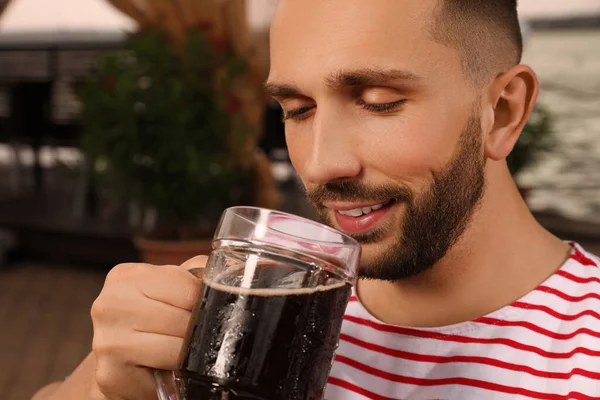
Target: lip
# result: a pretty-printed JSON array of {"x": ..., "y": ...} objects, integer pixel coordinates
[
  {"x": 364, "y": 223},
  {"x": 350, "y": 206}
]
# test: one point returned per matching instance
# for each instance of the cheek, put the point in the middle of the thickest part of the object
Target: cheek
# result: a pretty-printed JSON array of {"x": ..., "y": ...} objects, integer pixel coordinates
[
  {"x": 407, "y": 146},
  {"x": 298, "y": 150}
]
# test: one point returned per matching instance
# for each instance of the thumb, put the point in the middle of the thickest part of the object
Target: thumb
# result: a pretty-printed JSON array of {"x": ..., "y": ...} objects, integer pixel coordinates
[{"x": 196, "y": 265}]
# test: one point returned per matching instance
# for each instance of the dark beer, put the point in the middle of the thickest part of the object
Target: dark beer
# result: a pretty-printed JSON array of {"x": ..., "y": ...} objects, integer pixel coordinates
[{"x": 264, "y": 344}]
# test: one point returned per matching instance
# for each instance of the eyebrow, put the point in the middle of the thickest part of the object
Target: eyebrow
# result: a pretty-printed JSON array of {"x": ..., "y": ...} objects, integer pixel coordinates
[
  {"x": 282, "y": 90},
  {"x": 369, "y": 76},
  {"x": 350, "y": 78}
]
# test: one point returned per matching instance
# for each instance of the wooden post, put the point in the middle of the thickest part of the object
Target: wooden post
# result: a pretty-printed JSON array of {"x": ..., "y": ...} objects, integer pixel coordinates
[
  {"x": 3, "y": 5},
  {"x": 132, "y": 10},
  {"x": 170, "y": 18}
]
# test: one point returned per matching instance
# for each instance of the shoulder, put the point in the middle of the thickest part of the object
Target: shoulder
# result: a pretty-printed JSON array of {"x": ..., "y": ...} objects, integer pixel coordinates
[
  {"x": 584, "y": 258},
  {"x": 576, "y": 285},
  {"x": 46, "y": 391}
]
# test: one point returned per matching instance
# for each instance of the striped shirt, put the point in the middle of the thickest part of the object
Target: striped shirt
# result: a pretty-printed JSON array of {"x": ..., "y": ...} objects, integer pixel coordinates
[{"x": 544, "y": 346}]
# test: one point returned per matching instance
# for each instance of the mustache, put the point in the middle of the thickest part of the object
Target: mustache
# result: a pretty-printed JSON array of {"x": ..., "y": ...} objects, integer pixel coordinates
[{"x": 354, "y": 191}]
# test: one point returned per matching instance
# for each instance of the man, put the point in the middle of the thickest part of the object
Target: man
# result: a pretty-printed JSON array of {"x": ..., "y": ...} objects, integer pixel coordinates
[{"x": 399, "y": 117}]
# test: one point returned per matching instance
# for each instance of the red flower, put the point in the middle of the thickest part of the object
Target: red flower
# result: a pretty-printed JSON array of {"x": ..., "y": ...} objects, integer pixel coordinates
[
  {"x": 108, "y": 83},
  {"x": 205, "y": 26},
  {"x": 233, "y": 105},
  {"x": 218, "y": 43}
]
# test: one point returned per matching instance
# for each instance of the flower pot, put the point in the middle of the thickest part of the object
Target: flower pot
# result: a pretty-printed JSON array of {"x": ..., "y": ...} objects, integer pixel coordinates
[{"x": 171, "y": 252}]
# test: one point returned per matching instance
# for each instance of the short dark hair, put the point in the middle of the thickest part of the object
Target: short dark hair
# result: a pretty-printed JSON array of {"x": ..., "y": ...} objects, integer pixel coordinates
[{"x": 487, "y": 33}]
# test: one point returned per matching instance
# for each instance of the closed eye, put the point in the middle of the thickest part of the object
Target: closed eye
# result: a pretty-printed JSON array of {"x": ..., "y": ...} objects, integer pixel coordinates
[
  {"x": 382, "y": 108},
  {"x": 297, "y": 114},
  {"x": 301, "y": 113}
]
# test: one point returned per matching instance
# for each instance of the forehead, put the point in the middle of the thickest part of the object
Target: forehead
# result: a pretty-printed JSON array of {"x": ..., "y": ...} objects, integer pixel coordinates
[{"x": 313, "y": 38}]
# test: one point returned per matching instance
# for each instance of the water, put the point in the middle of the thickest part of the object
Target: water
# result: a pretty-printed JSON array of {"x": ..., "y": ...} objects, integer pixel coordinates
[{"x": 567, "y": 181}]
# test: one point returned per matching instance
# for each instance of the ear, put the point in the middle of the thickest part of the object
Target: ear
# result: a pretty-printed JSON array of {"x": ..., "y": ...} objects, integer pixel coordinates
[{"x": 512, "y": 95}]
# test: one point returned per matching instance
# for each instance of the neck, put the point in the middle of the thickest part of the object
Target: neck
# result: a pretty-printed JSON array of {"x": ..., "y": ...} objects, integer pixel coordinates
[{"x": 503, "y": 255}]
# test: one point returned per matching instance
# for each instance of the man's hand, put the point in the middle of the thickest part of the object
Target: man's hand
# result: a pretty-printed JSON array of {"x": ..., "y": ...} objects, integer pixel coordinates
[{"x": 140, "y": 320}]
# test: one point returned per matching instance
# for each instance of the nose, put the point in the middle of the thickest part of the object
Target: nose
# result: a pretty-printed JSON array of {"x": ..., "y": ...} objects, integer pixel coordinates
[{"x": 333, "y": 157}]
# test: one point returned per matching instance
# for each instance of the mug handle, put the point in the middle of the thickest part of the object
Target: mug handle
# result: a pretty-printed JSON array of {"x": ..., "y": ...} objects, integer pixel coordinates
[
  {"x": 165, "y": 381},
  {"x": 166, "y": 386}
]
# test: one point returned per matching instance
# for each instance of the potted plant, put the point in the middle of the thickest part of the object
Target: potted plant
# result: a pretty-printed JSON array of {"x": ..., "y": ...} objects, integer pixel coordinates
[
  {"x": 165, "y": 120},
  {"x": 535, "y": 139}
]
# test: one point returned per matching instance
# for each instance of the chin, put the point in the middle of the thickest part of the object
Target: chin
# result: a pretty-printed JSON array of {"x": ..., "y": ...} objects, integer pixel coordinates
[{"x": 373, "y": 251}]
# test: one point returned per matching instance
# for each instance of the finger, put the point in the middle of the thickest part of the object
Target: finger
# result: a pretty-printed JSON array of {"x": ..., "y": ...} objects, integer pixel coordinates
[
  {"x": 196, "y": 266},
  {"x": 197, "y": 262},
  {"x": 170, "y": 285},
  {"x": 152, "y": 350},
  {"x": 152, "y": 316},
  {"x": 124, "y": 383}
]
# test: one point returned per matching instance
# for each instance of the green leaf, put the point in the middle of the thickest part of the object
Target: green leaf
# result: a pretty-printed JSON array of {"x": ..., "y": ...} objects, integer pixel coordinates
[{"x": 157, "y": 118}]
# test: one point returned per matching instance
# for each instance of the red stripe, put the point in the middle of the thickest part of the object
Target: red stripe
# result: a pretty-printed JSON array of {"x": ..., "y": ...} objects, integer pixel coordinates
[
  {"x": 465, "y": 339},
  {"x": 352, "y": 299},
  {"x": 456, "y": 381},
  {"x": 568, "y": 297},
  {"x": 353, "y": 388},
  {"x": 538, "y": 329},
  {"x": 468, "y": 359},
  {"x": 577, "y": 279},
  {"x": 554, "y": 313},
  {"x": 582, "y": 259}
]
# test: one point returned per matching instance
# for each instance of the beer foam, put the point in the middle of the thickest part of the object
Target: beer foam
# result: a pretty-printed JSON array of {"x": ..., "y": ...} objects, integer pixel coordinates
[{"x": 266, "y": 292}]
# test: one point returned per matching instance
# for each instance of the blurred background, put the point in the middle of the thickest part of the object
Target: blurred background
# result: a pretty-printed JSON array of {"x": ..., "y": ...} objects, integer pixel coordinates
[{"x": 126, "y": 126}]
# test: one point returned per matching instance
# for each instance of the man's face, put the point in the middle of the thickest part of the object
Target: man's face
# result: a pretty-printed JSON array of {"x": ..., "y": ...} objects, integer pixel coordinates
[{"x": 381, "y": 125}]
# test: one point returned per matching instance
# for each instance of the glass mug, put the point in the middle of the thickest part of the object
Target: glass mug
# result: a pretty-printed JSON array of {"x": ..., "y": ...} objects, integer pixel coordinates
[{"x": 268, "y": 320}]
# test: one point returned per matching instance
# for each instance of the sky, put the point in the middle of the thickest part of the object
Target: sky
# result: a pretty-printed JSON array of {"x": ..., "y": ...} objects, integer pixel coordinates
[{"x": 49, "y": 15}]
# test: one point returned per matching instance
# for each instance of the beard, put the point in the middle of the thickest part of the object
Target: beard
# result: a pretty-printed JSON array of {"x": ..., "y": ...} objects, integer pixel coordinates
[{"x": 434, "y": 220}]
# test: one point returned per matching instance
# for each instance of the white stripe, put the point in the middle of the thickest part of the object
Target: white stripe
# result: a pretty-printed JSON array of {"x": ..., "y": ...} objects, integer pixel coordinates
[
  {"x": 437, "y": 347},
  {"x": 334, "y": 392},
  {"x": 481, "y": 372}
]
